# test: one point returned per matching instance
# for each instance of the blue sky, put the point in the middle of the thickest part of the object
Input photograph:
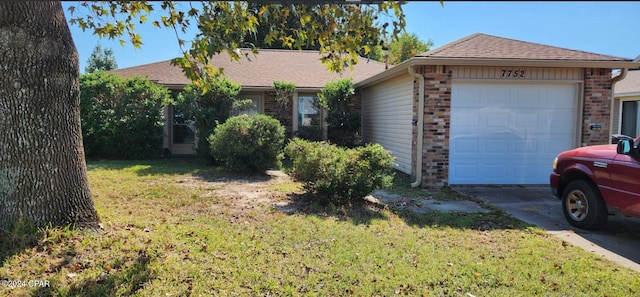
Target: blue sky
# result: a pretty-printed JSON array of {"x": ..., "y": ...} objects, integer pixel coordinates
[{"x": 610, "y": 28}]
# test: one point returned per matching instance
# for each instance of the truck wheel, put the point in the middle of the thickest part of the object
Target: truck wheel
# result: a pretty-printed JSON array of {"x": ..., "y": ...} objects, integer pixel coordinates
[{"x": 582, "y": 205}]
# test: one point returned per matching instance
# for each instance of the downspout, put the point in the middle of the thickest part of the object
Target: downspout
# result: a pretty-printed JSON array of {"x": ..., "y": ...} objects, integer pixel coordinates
[
  {"x": 420, "y": 123},
  {"x": 623, "y": 74}
]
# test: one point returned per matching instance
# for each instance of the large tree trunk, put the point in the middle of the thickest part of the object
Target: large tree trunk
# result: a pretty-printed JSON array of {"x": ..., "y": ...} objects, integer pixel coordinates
[{"x": 43, "y": 175}]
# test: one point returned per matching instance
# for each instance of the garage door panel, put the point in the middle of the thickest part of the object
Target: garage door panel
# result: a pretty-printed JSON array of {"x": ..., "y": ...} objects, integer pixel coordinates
[
  {"x": 468, "y": 120},
  {"x": 527, "y": 146},
  {"x": 513, "y": 135},
  {"x": 500, "y": 146},
  {"x": 468, "y": 145},
  {"x": 527, "y": 121},
  {"x": 495, "y": 119},
  {"x": 495, "y": 171},
  {"x": 467, "y": 171}
]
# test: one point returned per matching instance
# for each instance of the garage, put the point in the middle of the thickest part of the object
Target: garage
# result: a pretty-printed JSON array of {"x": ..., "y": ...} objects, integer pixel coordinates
[
  {"x": 490, "y": 110},
  {"x": 387, "y": 114},
  {"x": 509, "y": 133}
]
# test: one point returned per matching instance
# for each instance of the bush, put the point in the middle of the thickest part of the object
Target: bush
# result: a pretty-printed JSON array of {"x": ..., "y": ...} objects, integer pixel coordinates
[
  {"x": 251, "y": 143},
  {"x": 342, "y": 120},
  {"x": 209, "y": 108},
  {"x": 121, "y": 118},
  {"x": 337, "y": 175}
]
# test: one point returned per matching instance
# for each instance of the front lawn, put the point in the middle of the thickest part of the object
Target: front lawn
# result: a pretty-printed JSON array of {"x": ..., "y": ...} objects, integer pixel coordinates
[{"x": 178, "y": 228}]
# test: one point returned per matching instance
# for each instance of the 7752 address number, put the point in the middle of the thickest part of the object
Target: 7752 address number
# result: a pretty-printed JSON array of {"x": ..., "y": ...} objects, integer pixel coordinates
[{"x": 512, "y": 73}]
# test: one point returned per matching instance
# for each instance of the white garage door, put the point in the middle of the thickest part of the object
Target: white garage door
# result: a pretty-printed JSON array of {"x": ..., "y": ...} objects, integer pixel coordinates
[
  {"x": 387, "y": 113},
  {"x": 509, "y": 133}
]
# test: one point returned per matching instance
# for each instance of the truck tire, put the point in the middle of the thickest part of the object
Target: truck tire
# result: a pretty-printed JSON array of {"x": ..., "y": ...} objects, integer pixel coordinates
[{"x": 583, "y": 206}]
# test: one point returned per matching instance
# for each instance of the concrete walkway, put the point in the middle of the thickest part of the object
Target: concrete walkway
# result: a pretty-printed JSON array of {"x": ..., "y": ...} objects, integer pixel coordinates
[
  {"x": 618, "y": 241},
  {"x": 424, "y": 205}
]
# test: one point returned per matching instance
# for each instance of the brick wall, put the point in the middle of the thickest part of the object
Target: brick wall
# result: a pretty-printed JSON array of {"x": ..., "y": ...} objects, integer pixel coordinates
[
  {"x": 597, "y": 106},
  {"x": 437, "y": 121}
]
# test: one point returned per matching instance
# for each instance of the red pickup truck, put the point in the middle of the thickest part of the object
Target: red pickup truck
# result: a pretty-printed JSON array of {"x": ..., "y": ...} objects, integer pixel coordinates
[{"x": 596, "y": 181}]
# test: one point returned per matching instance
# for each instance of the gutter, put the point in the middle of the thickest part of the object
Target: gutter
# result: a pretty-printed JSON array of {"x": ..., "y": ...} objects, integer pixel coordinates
[
  {"x": 623, "y": 74},
  {"x": 420, "y": 123},
  {"x": 488, "y": 62}
]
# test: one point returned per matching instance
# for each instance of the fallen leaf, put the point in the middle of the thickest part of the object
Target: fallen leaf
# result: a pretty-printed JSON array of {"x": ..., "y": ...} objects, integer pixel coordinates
[{"x": 75, "y": 267}]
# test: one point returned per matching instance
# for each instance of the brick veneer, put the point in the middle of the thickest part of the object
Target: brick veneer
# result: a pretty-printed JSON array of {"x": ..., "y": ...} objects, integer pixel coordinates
[
  {"x": 437, "y": 121},
  {"x": 597, "y": 106}
]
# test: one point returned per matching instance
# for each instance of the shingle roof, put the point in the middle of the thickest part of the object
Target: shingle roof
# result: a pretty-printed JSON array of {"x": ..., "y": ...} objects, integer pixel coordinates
[
  {"x": 300, "y": 67},
  {"x": 486, "y": 50},
  {"x": 483, "y": 46},
  {"x": 630, "y": 84}
]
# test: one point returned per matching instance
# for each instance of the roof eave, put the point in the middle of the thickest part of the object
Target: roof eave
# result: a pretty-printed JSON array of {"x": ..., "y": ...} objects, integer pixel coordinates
[
  {"x": 270, "y": 88},
  {"x": 172, "y": 86},
  {"x": 528, "y": 62},
  {"x": 391, "y": 72},
  {"x": 627, "y": 94},
  {"x": 400, "y": 68}
]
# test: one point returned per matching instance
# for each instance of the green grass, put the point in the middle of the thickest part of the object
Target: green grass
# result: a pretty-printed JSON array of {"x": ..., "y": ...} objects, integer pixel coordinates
[
  {"x": 402, "y": 186},
  {"x": 167, "y": 233}
]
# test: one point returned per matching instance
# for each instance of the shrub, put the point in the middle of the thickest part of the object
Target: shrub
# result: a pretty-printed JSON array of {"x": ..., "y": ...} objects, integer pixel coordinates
[
  {"x": 284, "y": 94},
  {"x": 251, "y": 143},
  {"x": 209, "y": 108},
  {"x": 342, "y": 120},
  {"x": 121, "y": 118},
  {"x": 340, "y": 176}
]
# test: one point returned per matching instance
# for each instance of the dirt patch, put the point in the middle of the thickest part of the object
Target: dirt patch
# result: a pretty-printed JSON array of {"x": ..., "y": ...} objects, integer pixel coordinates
[{"x": 242, "y": 196}]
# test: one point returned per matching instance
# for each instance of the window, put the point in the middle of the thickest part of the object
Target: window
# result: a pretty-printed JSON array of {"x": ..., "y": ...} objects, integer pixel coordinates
[
  {"x": 630, "y": 118},
  {"x": 184, "y": 130},
  {"x": 248, "y": 104},
  {"x": 309, "y": 118}
]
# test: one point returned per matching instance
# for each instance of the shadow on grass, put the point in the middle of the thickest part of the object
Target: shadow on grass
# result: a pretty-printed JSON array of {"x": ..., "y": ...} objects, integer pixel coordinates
[
  {"x": 368, "y": 211},
  {"x": 125, "y": 281},
  {"x": 164, "y": 166},
  {"x": 22, "y": 237},
  {"x": 179, "y": 166},
  {"x": 307, "y": 204},
  {"x": 128, "y": 276},
  {"x": 493, "y": 220}
]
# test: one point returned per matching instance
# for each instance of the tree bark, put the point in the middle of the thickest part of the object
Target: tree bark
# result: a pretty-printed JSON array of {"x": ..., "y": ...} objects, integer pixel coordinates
[{"x": 43, "y": 174}]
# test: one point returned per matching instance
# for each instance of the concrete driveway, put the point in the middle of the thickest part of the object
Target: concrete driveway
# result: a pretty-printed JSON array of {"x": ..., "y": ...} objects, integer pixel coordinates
[{"x": 619, "y": 241}]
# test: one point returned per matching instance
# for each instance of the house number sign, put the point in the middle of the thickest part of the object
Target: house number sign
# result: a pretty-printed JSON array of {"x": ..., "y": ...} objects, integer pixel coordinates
[{"x": 509, "y": 73}]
